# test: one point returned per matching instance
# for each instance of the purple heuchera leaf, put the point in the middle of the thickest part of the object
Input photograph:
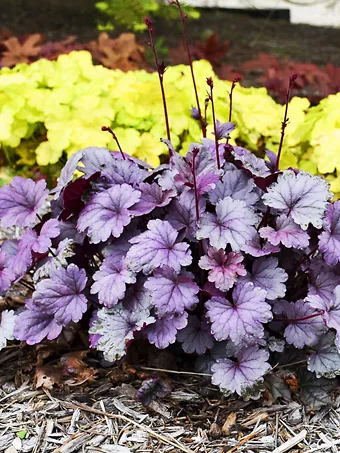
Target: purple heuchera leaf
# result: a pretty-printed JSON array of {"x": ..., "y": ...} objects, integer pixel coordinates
[
  {"x": 93, "y": 338},
  {"x": 223, "y": 129},
  {"x": 240, "y": 319},
  {"x": 163, "y": 332},
  {"x": 61, "y": 295},
  {"x": 33, "y": 325},
  {"x": 152, "y": 196},
  {"x": 182, "y": 213},
  {"x": 329, "y": 310},
  {"x": 20, "y": 201},
  {"x": 118, "y": 248},
  {"x": 302, "y": 196},
  {"x": 172, "y": 293},
  {"x": 242, "y": 375},
  {"x": 268, "y": 276},
  {"x": 287, "y": 232},
  {"x": 117, "y": 327},
  {"x": 196, "y": 336},
  {"x": 31, "y": 241},
  {"x": 52, "y": 264},
  {"x": 23, "y": 258},
  {"x": 7, "y": 275},
  {"x": 72, "y": 196},
  {"x": 7, "y": 322},
  {"x": 66, "y": 174},
  {"x": 68, "y": 230},
  {"x": 107, "y": 213},
  {"x": 124, "y": 172},
  {"x": 182, "y": 174},
  {"x": 329, "y": 239},
  {"x": 232, "y": 224},
  {"x": 49, "y": 230},
  {"x": 152, "y": 389},
  {"x": 234, "y": 184},
  {"x": 111, "y": 280},
  {"x": 95, "y": 159},
  {"x": 137, "y": 296},
  {"x": 258, "y": 248},
  {"x": 255, "y": 165},
  {"x": 211, "y": 146},
  {"x": 323, "y": 284},
  {"x": 157, "y": 247},
  {"x": 325, "y": 360},
  {"x": 224, "y": 268},
  {"x": 302, "y": 332}
]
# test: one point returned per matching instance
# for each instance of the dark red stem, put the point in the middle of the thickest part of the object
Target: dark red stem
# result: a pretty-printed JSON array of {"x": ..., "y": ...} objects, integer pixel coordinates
[
  {"x": 292, "y": 79},
  {"x": 161, "y": 70},
  {"x": 114, "y": 136},
  {"x": 233, "y": 85},
  {"x": 186, "y": 43},
  {"x": 211, "y": 98},
  {"x": 195, "y": 151},
  {"x": 305, "y": 318}
]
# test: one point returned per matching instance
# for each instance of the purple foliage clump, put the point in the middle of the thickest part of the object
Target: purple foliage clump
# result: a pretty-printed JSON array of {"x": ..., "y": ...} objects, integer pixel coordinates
[{"x": 225, "y": 259}]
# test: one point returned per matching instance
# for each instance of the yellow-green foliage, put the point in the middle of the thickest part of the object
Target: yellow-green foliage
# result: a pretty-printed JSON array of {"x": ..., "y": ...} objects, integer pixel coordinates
[
  {"x": 131, "y": 14},
  {"x": 48, "y": 108}
]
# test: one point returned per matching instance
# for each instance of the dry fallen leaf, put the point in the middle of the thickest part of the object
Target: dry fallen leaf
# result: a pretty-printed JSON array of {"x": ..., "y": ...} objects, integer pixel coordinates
[
  {"x": 215, "y": 431},
  {"x": 121, "y": 53},
  {"x": 47, "y": 376},
  {"x": 18, "y": 52},
  {"x": 229, "y": 423},
  {"x": 73, "y": 364}
]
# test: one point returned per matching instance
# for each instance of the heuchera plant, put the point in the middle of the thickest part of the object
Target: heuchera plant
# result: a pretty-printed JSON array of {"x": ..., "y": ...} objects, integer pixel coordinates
[{"x": 218, "y": 251}]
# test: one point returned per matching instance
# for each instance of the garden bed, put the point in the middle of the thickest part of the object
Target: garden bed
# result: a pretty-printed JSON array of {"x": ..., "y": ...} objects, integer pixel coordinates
[{"x": 57, "y": 19}]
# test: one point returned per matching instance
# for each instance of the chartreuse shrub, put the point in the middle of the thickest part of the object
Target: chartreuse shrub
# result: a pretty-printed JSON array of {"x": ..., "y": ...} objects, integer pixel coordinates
[
  {"x": 53, "y": 107},
  {"x": 220, "y": 252},
  {"x": 131, "y": 14}
]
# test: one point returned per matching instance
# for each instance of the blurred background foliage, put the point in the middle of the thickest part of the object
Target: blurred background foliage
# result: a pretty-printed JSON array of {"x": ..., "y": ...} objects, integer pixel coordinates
[{"x": 130, "y": 14}]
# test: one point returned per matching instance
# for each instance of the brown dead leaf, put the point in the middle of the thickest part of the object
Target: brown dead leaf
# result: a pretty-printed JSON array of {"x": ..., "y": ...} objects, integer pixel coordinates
[
  {"x": 47, "y": 376},
  {"x": 18, "y": 52},
  {"x": 215, "y": 431},
  {"x": 292, "y": 381},
  {"x": 229, "y": 423},
  {"x": 121, "y": 53},
  {"x": 74, "y": 365}
]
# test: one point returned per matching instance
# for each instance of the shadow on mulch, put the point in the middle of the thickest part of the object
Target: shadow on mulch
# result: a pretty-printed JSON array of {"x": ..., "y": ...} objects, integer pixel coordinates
[{"x": 57, "y": 19}]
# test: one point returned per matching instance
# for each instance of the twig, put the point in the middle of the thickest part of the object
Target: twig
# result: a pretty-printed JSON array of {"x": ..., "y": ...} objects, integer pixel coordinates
[
  {"x": 291, "y": 442},
  {"x": 290, "y": 430},
  {"x": 323, "y": 446},
  {"x": 190, "y": 373},
  {"x": 175, "y": 443},
  {"x": 242, "y": 441}
]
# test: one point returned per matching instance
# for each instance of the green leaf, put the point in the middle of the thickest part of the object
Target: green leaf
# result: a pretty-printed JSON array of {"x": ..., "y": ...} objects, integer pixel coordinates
[{"x": 22, "y": 434}]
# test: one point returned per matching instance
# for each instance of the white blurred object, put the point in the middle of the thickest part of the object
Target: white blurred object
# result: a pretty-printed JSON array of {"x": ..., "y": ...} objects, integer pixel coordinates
[{"x": 313, "y": 12}]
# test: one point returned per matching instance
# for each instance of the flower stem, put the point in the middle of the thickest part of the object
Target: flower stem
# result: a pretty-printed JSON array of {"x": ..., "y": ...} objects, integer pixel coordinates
[
  {"x": 114, "y": 136},
  {"x": 195, "y": 151},
  {"x": 233, "y": 85},
  {"x": 305, "y": 318},
  {"x": 292, "y": 79},
  {"x": 161, "y": 70},
  {"x": 183, "y": 19},
  {"x": 210, "y": 83}
]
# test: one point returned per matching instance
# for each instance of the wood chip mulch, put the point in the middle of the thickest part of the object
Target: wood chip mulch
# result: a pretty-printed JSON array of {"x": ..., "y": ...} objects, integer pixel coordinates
[{"x": 104, "y": 416}]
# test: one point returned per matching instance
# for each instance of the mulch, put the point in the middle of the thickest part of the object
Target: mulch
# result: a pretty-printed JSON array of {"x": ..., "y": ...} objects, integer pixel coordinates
[{"x": 103, "y": 416}]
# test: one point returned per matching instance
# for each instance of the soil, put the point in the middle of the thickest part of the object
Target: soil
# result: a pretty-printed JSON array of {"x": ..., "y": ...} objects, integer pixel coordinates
[{"x": 248, "y": 35}]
